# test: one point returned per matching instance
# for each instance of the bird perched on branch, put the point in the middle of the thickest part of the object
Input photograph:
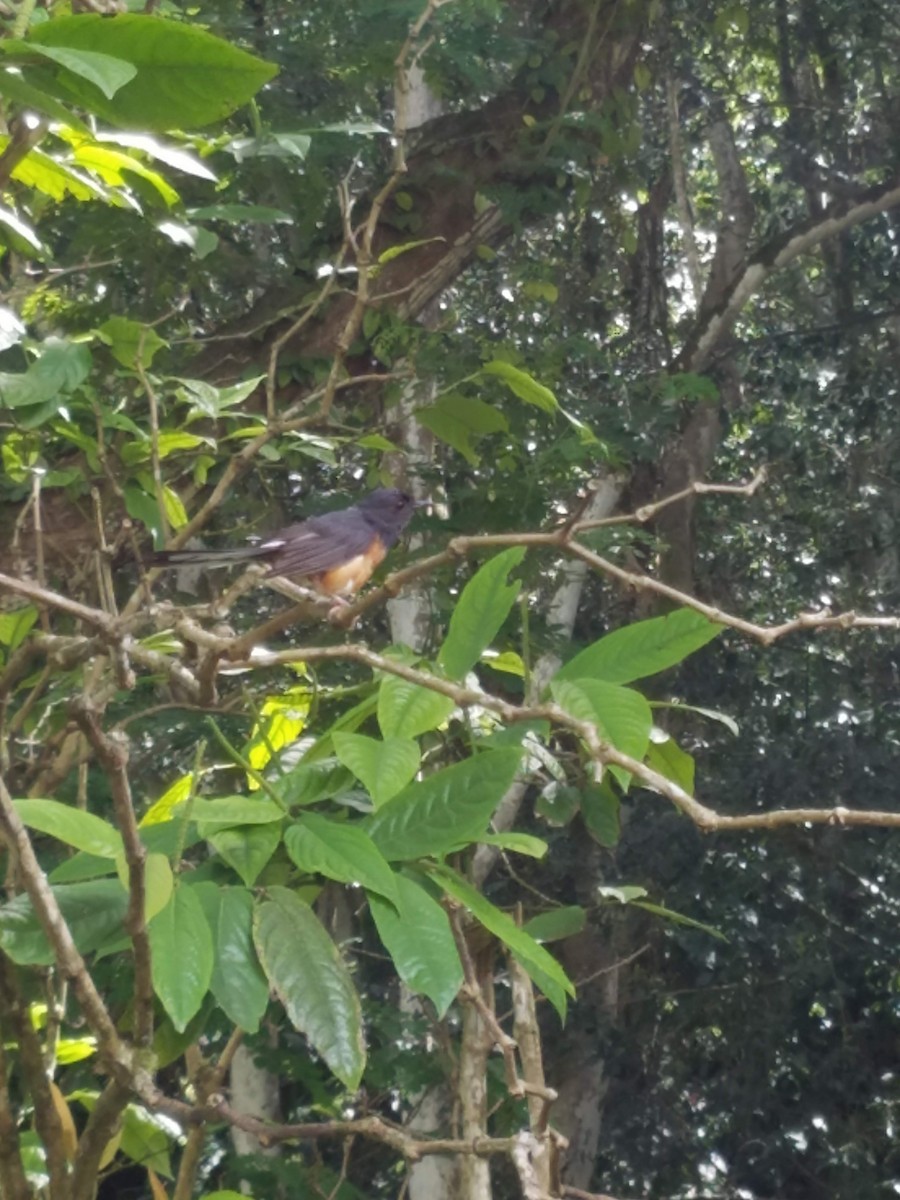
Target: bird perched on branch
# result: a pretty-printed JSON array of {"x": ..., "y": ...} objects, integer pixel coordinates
[{"x": 337, "y": 552}]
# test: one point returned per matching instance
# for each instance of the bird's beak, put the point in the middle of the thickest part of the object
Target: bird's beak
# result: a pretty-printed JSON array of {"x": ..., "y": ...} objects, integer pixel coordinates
[{"x": 422, "y": 503}]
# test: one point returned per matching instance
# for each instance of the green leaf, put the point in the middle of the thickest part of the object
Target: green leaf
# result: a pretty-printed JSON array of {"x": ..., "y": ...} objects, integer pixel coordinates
[
  {"x": 406, "y": 710},
  {"x": 393, "y": 252},
  {"x": 71, "y": 825},
  {"x": 238, "y": 982},
  {"x": 309, "y": 976},
  {"x": 416, "y": 933},
  {"x": 271, "y": 145},
  {"x": 104, "y": 72},
  {"x": 59, "y": 369},
  {"x": 19, "y": 236},
  {"x": 234, "y": 810},
  {"x": 341, "y": 851},
  {"x": 679, "y": 919},
  {"x": 600, "y": 808},
  {"x": 15, "y": 625},
  {"x": 556, "y": 924},
  {"x": 624, "y": 894},
  {"x": 208, "y": 401},
  {"x": 382, "y": 767},
  {"x": 541, "y": 966},
  {"x": 240, "y": 214},
  {"x": 508, "y": 661},
  {"x": 519, "y": 843},
  {"x": 558, "y": 803},
  {"x": 142, "y": 507},
  {"x": 185, "y": 77},
  {"x": 93, "y": 912},
  {"x": 479, "y": 614},
  {"x": 56, "y": 179},
  {"x": 446, "y": 810},
  {"x": 522, "y": 385},
  {"x": 114, "y": 167},
  {"x": 146, "y": 1139},
  {"x": 158, "y": 884},
  {"x": 457, "y": 419},
  {"x": 642, "y": 649},
  {"x": 176, "y": 514},
  {"x": 676, "y": 764},
  {"x": 172, "y": 156},
  {"x": 309, "y": 782},
  {"x": 127, "y": 339},
  {"x": 712, "y": 714},
  {"x": 14, "y": 87},
  {"x": 621, "y": 714},
  {"x": 181, "y": 946},
  {"x": 82, "y": 866},
  {"x": 247, "y": 848}
]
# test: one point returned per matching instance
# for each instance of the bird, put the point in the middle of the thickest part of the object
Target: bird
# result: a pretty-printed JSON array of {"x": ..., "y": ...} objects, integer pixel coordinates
[{"x": 336, "y": 552}]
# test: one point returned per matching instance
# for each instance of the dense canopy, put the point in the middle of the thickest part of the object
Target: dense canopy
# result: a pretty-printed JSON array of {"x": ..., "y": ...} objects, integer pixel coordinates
[{"x": 561, "y": 860}]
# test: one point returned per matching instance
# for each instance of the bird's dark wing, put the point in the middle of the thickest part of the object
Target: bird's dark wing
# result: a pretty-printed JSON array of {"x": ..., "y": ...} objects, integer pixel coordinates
[{"x": 319, "y": 544}]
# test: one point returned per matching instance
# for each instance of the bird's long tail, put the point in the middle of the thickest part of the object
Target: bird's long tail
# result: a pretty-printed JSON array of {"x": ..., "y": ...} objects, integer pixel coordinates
[{"x": 209, "y": 558}]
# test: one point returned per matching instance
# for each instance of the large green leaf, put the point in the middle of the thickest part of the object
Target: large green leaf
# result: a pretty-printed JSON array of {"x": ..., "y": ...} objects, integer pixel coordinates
[
  {"x": 642, "y": 649},
  {"x": 185, "y": 77},
  {"x": 540, "y": 965},
  {"x": 309, "y": 976},
  {"x": 234, "y": 810},
  {"x": 93, "y": 912},
  {"x": 60, "y": 367},
  {"x": 406, "y": 710},
  {"x": 101, "y": 71},
  {"x": 417, "y": 935},
  {"x": 341, "y": 851},
  {"x": 382, "y": 767},
  {"x": 71, "y": 825},
  {"x": 480, "y": 612},
  {"x": 238, "y": 982},
  {"x": 182, "y": 948},
  {"x": 446, "y": 810},
  {"x": 621, "y": 714},
  {"x": 247, "y": 848}
]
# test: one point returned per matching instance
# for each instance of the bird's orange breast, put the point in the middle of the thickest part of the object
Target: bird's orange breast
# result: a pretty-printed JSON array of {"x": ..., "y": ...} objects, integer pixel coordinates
[{"x": 351, "y": 575}]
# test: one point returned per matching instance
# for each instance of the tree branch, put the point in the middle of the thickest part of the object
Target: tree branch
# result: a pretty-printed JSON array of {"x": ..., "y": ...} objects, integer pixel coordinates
[
  {"x": 112, "y": 754},
  {"x": 772, "y": 257}
]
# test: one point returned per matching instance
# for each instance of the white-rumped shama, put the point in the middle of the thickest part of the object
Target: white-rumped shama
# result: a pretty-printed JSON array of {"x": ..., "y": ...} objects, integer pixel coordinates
[{"x": 337, "y": 552}]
